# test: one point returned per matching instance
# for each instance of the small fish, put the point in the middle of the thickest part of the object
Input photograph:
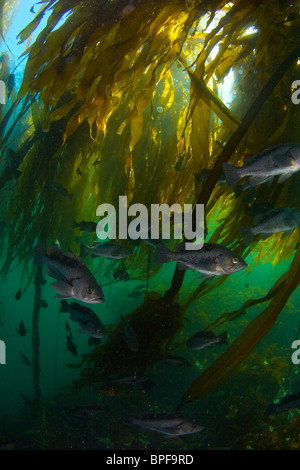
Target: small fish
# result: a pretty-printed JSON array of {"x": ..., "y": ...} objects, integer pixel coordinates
[
  {"x": 85, "y": 226},
  {"x": 86, "y": 412},
  {"x": 200, "y": 177},
  {"x": 140, "y": 286},
  {"x": 59, "y": 188},
  {"x": 121, "y": 274},
  {"x": 277, "y": 220},
  {"x": 43, "y": 304},
  {"x": 89, "y": 322},
  {"x": 283, "y": 160},
  {"x": 179, "y": 164},
  {"x": 21, "y": 330},
  {"x": 97, "y": 162},
  {"x": 94, "y": 341},
  {"x": 79, "y": 172},
  {"x": 74, "y": 280},
  {"x": 18, "y": 294},
  {"x": 289, "y": 402},
  {"x": 27, "y": 401},
  {"x": 25, "y": 360},
  {"x": 176, "y": 361},
  {"x": 135, "y": 294},
  {"x": 130, "y": 335},
  {"x": 71, "y": 346},
  {"x": 211, "y": 260},
  {"x": 206, "y": 339},
  {"x": 106, "y": 250},
  {"x": 136, "y": 380},
  {"x": 170, "y": 424}
]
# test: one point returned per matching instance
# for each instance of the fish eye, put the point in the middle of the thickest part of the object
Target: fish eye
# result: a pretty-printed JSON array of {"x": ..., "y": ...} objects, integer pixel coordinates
[
  {"x": 90, "y": 290},
  {"x": 235, "y": 260}
]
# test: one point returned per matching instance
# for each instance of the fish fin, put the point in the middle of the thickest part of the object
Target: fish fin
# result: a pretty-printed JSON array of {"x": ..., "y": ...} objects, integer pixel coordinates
[
  {"x": 284, "y": 177},
  {"x": 75, "y": 257},
  {"x": 247, "y": 234},
  {"x": 62, "y": 297},
  {"x": 75, "y": 224},
  {"x": 238, "y": 190},
  {"x": 232, "y": 174},
  {"x": 64, "y": 289},
  {"x": 223, "y": 337},
  {"x": 181, "y": 266},
  {"x": 162, "y": 254},
  {"x": 39, "y": 255},
  {"x": 181, "y": 247},
  {"x": 205, "y": 276},
  {"x": 264, "y": 236}
]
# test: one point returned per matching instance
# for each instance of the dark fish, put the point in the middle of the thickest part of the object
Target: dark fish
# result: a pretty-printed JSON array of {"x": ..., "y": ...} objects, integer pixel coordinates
[
  {"x": 25, "y": 360},
  {"x": 178, "y": 165},
  {"x": 89, "y": 322},
  {"x": 130, "y": 335},
  {"x": 251, "y": 183},
  {"x": 140, "y": 286},
  {"x": 85, "y": 226},
  {"x": 18, "y": 294},
  {"x": 277, "y": 220},
  {"x": 170, "y": 424},
  {"x": 21, "y": 330},
  {"x": 12, "y": 162},
  {"x": 94, "y": 341},
  {"x": 206, "y": 339},
  {"x": 289, "y": 402},
  {"x": 97, "y": 162},
  {"x": 86, "y": 412},
  {"x": 71, "y": 346},
  {"x": 109, "y": 250},
  {"x": 79, "y": 172},
  {"x": 200, "y": 177},
  {"x": 27, "y": 401},
  {"x": 43, "y": 304},
  {"x": 176, "y": 361},
  {"x": 74, "y": 280},
  {"x": 135, "y": 294},
  {"x": 136, "y": 380},
  {"x": 59, "y": 188},
  {"x": 121, "y": 274},
  {"x": 211, "y": 260},
  {"x": 283, "y": 160}
]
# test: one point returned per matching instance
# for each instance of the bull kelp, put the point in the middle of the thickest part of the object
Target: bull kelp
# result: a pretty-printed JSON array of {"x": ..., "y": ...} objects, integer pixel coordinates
[{"x": 162, "y": 102}]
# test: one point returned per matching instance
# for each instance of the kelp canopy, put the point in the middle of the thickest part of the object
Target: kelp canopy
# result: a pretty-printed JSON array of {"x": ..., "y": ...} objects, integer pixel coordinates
[{"x": 125, "y": 98}]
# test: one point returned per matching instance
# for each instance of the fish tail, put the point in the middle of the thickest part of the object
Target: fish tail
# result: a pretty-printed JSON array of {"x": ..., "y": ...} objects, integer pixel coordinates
[
  {"x": 39, "y": 255},
  {"x": 232, "y": 174},
  {"x": 224, "y": 338},
  {"x": 64, "y": 306},
  {"x": 83, "y": 250},
  {"x": 75, "y": 224},
  {"x": 247, "y": 233},
  {"x": 163, "y": 254}
]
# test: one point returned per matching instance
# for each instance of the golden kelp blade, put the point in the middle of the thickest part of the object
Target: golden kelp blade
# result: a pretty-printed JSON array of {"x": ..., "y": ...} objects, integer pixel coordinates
[{"x": 221, "y": 369}]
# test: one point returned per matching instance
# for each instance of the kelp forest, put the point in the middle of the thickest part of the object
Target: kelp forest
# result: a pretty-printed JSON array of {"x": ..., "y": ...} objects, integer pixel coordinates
[{"x": 164, "y": 102}]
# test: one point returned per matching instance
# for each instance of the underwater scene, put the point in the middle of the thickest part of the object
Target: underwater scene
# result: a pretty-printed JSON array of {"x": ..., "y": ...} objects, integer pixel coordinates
[{"x": 149, "y": 225}]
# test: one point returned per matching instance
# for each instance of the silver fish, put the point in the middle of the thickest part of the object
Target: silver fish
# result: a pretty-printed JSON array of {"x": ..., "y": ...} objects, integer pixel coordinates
[
  {"x": 277, "y": 220},
  {"x": 74, "y": 280},
  {"x": 130, "y": 335},
  {"x": 202, "y": 340},
  {"x": 109, "y": 250},
  {"x": 89, "y": 322},
  {"x": 176, "y": 361},
  {"x": 211, "y": 260},
  {"x": 170, "y": 424},
  {"x": 283, "y": 160}
]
